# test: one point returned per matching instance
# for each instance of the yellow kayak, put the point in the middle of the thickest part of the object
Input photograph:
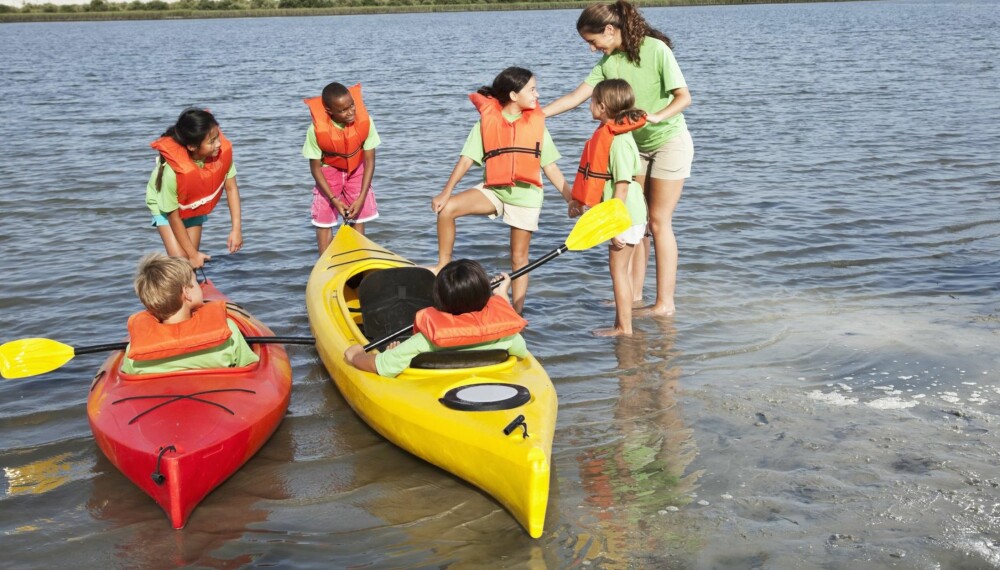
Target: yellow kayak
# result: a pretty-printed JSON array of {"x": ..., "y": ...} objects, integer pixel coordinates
[{"x": 487, "y": 418}]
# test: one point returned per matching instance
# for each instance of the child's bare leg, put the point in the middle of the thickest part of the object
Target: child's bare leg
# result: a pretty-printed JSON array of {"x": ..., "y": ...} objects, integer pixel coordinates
[
  {"x": 637, "y": 269},
  {"x": 170, "y": 242},
  {"x": 520, "y": 242},
  {"x": 462, "y": 204},
  {"x": 359, "y": 227},
  {"x": 194, "y": 234},
  {"x": 622, "y": 283},
  {"x": 323, "y": 238}
]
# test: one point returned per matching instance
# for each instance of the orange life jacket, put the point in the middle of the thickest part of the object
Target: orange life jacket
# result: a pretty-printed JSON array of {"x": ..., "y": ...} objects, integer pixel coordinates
[
  {"x": 512, "y": 151},
  {"x": 495, "y": 321},
  {"x": 198, "y": 188},
  {"x": 149, "y": 339},
  {"x": 591, "y": 176},
  {"x": 342, "y": 148}
]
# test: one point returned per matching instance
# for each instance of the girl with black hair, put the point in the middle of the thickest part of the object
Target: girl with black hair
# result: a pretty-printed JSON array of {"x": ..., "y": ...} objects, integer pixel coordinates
[{"x": 193, "y": 168}]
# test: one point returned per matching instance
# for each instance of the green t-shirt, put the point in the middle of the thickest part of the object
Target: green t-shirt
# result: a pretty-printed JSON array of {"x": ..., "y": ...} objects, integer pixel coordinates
[
  {"x": 233, "y": 353},
  {"x": 521, "y": 193},
  {"x": 311, "y": 150},
  {"x": 653, "y": 81},
  {"x": 623, "y": 164},
  {"x": 164, "y": 201},
  {"x": 393, "y": 361}
]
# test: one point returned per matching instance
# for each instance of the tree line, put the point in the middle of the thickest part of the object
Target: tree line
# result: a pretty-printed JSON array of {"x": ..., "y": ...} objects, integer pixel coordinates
[{"x": 98, "y": 6}]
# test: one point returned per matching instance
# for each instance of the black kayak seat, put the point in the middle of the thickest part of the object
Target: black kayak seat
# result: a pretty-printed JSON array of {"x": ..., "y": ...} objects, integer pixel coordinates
[
  {"x": 451, "y": 359},
  {"x": 390, "y": 299}
]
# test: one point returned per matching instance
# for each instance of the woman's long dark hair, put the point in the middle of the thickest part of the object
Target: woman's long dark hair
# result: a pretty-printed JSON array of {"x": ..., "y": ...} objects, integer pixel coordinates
[{"x": 624, "y": 16}]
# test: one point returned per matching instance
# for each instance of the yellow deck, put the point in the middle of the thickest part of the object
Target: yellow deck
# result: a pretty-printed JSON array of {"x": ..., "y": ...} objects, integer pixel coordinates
[{"x": 406, "y": 411}]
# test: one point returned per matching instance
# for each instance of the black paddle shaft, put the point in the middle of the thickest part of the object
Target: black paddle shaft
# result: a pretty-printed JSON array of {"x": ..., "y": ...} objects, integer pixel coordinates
[
  {"x": 531, "y": 266},
  {"x": 303, "y": 340}
]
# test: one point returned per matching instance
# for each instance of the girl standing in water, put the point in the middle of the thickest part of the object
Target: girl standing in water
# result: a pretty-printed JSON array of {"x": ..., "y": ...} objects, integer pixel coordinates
[
  {"x": 194, "y": 166},
  {"x": 638, "y": 53},
  {"x": 608, "y": 167},
  {"x": 512, "y": 144}
]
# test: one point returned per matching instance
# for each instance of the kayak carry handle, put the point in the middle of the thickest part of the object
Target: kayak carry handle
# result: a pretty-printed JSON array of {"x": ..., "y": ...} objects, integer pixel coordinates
[
  {"x": 513, "y": 425},
  {"x": 158, "y": 477}
]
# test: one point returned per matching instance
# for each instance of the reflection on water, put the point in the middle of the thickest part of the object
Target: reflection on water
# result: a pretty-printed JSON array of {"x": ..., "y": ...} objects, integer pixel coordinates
[{"x": 640, "y": 470}]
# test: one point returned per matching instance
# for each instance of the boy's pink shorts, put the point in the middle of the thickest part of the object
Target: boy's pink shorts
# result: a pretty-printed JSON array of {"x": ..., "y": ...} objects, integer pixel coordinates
[{"x": 346, "y": 188}]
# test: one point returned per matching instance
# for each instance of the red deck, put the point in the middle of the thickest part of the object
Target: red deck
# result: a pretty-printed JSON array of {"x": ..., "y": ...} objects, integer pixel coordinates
[{"x": 195, "y": 428}]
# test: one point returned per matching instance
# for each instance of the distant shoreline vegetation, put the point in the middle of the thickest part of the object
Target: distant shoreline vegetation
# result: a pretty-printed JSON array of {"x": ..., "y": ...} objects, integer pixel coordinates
[{"x": 184, "y": 9}]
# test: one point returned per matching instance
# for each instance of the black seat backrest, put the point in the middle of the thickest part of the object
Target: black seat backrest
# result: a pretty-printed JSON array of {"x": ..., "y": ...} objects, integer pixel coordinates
[{"x": 390, "y": 298}]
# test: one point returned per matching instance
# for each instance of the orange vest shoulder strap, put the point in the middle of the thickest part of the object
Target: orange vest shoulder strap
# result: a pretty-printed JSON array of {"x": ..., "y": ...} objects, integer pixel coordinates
[
  {"x": 593, "y": 172},
  {"x": 199, "y": 189},
  {"x": 511, "y": 151},
  {"x": 495, "y": 321},
  {"x": 149, "y": 339},
  {"x": 341, "y": 147}
]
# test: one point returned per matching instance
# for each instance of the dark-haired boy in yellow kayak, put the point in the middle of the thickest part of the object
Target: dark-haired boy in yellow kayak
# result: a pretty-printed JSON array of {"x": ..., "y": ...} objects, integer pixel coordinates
[{"x": 466, "y": 313}]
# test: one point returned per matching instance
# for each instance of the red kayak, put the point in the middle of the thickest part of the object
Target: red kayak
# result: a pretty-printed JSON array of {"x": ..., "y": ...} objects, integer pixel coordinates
[{"x": 181, "y": 434}]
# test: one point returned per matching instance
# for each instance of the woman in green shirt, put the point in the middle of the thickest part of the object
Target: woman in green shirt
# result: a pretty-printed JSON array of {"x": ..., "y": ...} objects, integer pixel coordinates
[{"x": 638, "y": 53}]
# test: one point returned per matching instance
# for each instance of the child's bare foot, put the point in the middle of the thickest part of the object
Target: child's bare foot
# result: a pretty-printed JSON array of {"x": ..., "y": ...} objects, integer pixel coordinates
[
  {"x": 612, "y": 331},
  {"x": 655, "y": 310}
]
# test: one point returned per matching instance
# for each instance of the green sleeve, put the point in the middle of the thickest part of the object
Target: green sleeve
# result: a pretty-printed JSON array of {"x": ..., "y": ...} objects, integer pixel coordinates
[
  {"x": 670, "y": 72},
  {"x": 517, "y": 346},
  {"x": 623, "y": 163},
  {"x": 232, "y": 171},
  {"x": 166, "y": 197},
  {"x": 474, "y": 144},
  {"x": 597, "y": 74},
  {"x": 395, "y": 360},
  {"x": 373, "y": 139},
  {"x": 550, "y": 153},
  {"x": 310, "y": 149},
  {"x": 243, "y": 355}
]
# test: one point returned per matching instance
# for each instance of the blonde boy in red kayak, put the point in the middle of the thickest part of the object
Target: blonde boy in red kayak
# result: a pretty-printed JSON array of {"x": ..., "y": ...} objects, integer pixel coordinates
[{"x": 179, "y": 330}]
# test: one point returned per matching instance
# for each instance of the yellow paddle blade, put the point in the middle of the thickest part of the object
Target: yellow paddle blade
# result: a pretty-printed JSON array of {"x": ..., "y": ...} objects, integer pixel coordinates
[
  {"x": 32, "y": 356},
  {"x": 598, "y": 224}
]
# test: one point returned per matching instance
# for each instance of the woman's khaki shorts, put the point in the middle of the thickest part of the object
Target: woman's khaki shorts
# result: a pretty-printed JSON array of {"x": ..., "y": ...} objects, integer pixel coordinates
[
  {"x": 521, "y": 217},
  {"x": 672, "y": 161}
]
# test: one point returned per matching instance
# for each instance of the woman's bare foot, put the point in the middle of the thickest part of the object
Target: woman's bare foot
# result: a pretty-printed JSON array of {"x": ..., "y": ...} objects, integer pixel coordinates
[
  {"x": 655, "y": 311},
  {"x": 612, "y": 331}
]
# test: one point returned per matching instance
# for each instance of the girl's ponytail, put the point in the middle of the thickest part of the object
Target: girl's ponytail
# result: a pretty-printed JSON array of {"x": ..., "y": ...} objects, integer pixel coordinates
[
  {"x": 618, "y": 99},
  {"x": 510, "y": 80}
]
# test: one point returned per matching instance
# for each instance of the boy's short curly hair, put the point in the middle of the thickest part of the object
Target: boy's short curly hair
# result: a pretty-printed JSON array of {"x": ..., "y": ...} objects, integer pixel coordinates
[{"x": 160, "y": 281}]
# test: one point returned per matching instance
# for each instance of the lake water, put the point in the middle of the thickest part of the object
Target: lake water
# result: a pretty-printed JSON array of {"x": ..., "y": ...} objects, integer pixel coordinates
[{"x": 825, "y": 397}]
